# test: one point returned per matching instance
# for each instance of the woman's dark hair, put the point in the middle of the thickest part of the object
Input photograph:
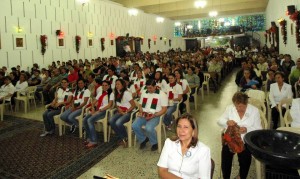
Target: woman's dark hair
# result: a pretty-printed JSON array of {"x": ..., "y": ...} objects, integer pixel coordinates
[
  {"x": 160, "y": 76},
  {"x": 109, "y": 90},
  {"x": 192, "y": 68},
  {"x": 77, "y": 87},
  {"x": 180, "y": 73},
  {"x": 25, "y": 76},
  {"x": 119, "y": 96},
  {"x": 126, "y": 78},
  {"x": 279, "y": 73},
  {"x": 240, "y": 98},
  {"x": 151, "y": 82},
  {"x": 194, "y": 125}
]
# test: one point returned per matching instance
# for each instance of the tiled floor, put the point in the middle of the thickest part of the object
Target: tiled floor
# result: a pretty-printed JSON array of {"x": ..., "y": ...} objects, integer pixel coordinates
[{"x": 133, "y": 163}]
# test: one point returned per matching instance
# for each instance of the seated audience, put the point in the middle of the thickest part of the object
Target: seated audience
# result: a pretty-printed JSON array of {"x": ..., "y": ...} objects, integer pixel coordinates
[
  {"x": 35, "y": 79},
  {"x": 7, "y": 90},
  {"x": 125, "y": 106},
  {"x": 62, "y": 98},
  {"x": 183, "y": 155},
  {"x": 111, "y": 77},
  {"x": 153, "y": 104},
  {"x": 295, "y": 74},
  {"x": 160, "y": 82},
  {"x": 249, "y": 82},
  {"x": 184, "y": 84}
]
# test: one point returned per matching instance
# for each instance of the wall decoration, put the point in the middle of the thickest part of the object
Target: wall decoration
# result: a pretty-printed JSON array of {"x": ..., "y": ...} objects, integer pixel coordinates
[
  {"x": 90, "y": 42},
  {"x": 19, "y": 42},
  {"x": 77, "y": 43},
  {"x": 282, "y": 23},
  {"x": 170, "y": 41},
  {"x": 295, "y": 17},
  {"x": 149, "y": 43},
  {"x": 60, "y": 42},
  {"x": 102, "y": 44},
  {"x": 43, "y": 39}
]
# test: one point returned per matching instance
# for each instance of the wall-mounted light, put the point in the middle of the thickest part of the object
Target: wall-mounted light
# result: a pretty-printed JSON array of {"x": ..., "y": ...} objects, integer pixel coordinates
[
  {"x": 160, "y": 19},
  {"x": 19, "y": 29},
  {"x": 133, "y": 12}
]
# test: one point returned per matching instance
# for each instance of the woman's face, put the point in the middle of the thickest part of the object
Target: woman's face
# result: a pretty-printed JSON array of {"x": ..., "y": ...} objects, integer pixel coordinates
[
  {"x": 271, "y": 75},
  {"x": 157, "y": 76},
  {"x": 190, "y": 71},
  {"x": 105, "y": 86},
  {"x": 240, "y": 107},
  {"x": 177, "y": 75},
  {"x": 22, "y": 78},
  {"x": 119, "y": 86},
  {"x": 64, "y": 84},
  {"x": 171, "y": 79},
  {"x": 139, "y": 74},
  {"x": 279, "y": 78},
  {"x": 247, "y": 74},
  {"x": 80, "y": 84},
  {"x": 184, "y": 130}
]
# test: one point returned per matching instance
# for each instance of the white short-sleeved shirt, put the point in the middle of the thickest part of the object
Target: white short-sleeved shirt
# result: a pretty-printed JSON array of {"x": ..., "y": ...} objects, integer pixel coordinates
[
  {"x": 105, "y": 99},
  {"x": 176, "y": 90},
  {"x": 251, "y": 119},
  {"x": 184, "y": 84},
  {"x": 6, "y": 90},
  {"x": 277, "y": 95},
  {"x": 138, "y": 83},
  {"x": 125, "y": 100},
  {"x": 112, "y": 79},
  {"x": 21, "y": 87},
  {"x": 160, "y": 96},
  {"x": 131, "y": 89},
  {"x": 99, "y": 90},
  {"x": 195, "y": 164},
  {"x": 62, "y": 94},
  {"x": 81, "y": 95},
  {"x": 162, "y": 85}
]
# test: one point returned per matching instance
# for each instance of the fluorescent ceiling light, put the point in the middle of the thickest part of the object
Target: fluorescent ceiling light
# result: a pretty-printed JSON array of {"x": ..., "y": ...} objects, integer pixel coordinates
[
  {"x": 201, "y": 4},
  {"x": 177, "y": 24},
  {"x": 213, "y": 13}
]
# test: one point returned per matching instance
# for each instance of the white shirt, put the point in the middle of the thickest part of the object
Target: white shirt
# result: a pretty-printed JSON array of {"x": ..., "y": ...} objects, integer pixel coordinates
[
  {"x": 295, "y": 112},
  {"x": 161, "y": 97},
  {"x": 21, "y": 87},
  {"x": 251, "y": 119},
  {"x": 105, "y": 99},
  {"x": 276, "y": 95},
  {"x": 176, "y": 90},
  {"x": 80, "y": 100},
  {"x": 112, "y": 79},
  {"x": 133, "y": 75},
  {"x": 61, "y": 94},
  {"x": 125, "y": 101},
  {"x": 162, "y": 85},
  {"x": 195, "y": 164},
  {"x": 6, "y": 90},
  {"x": 184, "y": 84},
  {"x": 138, "y": 83}
]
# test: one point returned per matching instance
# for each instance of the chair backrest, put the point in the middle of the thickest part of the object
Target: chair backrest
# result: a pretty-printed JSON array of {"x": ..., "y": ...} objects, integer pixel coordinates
[
  {"x": 31, "y": 91},
  {"x": 287, "y": 118},
  {"x": 206, "y": 77},
  {"x": 259, "y": 104},
  {"x": 264, "y": 122},
  {"x": 257, "y": 94},
  {"x": 284, "y": 103}
]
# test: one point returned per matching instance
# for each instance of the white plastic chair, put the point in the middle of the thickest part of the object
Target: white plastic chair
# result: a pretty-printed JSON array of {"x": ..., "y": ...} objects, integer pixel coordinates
[
  {"x": 287, "y": 103},
  {"x": 3, "y": 105},
  {"x": 195, "y": 97},
  {"x": 61, "y": 124},
  {"x": 287, "y": 118},
  {"x": 205, "y": 83}
]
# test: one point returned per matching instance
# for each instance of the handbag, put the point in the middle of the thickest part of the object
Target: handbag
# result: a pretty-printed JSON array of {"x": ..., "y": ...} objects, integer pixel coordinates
[{"x": 232, "y": 138}]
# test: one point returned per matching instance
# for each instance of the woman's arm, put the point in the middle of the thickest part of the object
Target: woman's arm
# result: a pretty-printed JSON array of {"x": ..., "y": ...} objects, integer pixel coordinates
[
  {"x": 224, "y": 118},
  {"x": 271, "y": 96},
  {"x": 165, "y": 174}
]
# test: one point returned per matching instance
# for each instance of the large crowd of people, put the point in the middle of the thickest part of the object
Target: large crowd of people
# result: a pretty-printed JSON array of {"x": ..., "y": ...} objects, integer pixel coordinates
[{"x": 157, "y": 83}]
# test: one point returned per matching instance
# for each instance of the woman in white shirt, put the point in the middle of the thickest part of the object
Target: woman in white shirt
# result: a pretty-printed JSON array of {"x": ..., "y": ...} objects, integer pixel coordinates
[
  {"x": 174, "y": 93},
  {"x": 80, "y": 98},
  {"x": 183, "y": 156},
  {"x": 130, "y": 86},
  {"x": 278, "y": 92},
  {"x": 125, "y": 105},
  {"x": 160, "y": 82},
  {"x": 103, "y": 102},
  {"x": 185, "y": 88},
  {"x": 247, "y": 118},
  {"x": 6, "y": 90},
  {"x": 62, "y": 98},
  {"x": 22, "y": 84},
  {"x": 139, "y": 82}
]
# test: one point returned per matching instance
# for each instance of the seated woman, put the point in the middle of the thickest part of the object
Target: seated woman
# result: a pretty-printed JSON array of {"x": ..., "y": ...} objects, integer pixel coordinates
[
  {"x": 183, "y": 156},
  {"x": 125, "y": 105},
  {"x": 278, "y": 91},
  {"x": 182, "y": 82},
  {"x": 160, "y": 82},
  {"x": 62, "y": 98},
  {"x": 270, "y": 79},
  {"x": 130, "y": 86},
  {"x": 21, "y": 86},
  {"x": 249, "y": 82},
  {"x": 80, "y": 98},
  {"x": 6, "y": 90},
  {"x": 174, "y": 92},
  {"x": 139, "y": 82},
  {"x": 103, "y": 102},
  {"x": 192, "y": 79},
  {"x": 247, "y": 118}
]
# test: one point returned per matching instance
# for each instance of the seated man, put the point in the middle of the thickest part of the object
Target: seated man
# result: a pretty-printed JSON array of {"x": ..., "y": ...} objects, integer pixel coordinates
[
  {"x": 153, "y": 104},
  {"x": 35, "y": 79},
  {"x": 6, "y": 90}
]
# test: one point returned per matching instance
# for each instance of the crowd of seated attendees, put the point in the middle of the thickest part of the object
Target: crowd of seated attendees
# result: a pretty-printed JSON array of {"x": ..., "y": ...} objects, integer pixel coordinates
[{"x": 88, "y": 81}]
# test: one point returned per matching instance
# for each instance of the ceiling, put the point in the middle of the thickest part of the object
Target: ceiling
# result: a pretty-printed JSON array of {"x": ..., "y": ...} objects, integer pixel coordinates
[{"x": 185, "y": 9}]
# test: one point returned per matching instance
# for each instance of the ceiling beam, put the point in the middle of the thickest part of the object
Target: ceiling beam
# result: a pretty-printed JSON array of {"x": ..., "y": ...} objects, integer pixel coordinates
[{"x": 221, "y": 14}]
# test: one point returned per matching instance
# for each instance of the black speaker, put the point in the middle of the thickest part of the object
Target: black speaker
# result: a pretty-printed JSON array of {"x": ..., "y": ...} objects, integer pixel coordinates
[{"x": 291, "y": 9}]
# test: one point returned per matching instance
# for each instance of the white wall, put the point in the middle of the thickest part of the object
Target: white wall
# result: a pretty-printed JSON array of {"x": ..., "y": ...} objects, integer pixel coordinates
[
  {"x": 39, "y": 17},
  {"x": 276, "y": 10}
]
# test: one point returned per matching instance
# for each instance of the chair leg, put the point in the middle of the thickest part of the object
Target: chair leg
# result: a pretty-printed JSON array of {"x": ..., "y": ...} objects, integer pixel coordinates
[
  {"x": 105, "y": 131},
  {"x": 80, "y": 128},
  {"x": 109, "y": 133},
  {"x": 26, "y": 105},
  {"x": 2, "y": 110},
  {"x": 196, "y": 101},
  {"x": 202, "y": 92},
  {"x": 129, "y": 133},
  {"x": 60, "y": 127}
]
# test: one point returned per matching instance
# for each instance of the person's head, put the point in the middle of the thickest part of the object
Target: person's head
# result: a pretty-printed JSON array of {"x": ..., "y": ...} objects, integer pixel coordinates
[
  {"x": 240, "y": 101},
  {"x": 158, "y": 76},
  {"x": 71, "y": 69},
  {"x": 139, "y": 74},
  {"x": 110, "y": 71},
  {"x": 121, "y": 85},
  {"x": 187, "y": 129},
  {"x": 244, "y": 65},
  {"x": 64, "y": 83},
  {"x": 178, "y": 74},
  {"x": 105, "y": 85},
  {"x": 91, "y": 77},
  {"x": 279, "y": 77},
  {"x": 56, "y": 72},
  {"x": 23, "y": 77},
  {"x": 12, "y": 75},
  {"x": 191, "y": 70},
  {"x": 171, "y": 78},
  {"x": 287, "y": 57},
  {"x": 151, "y": 85},
  {"x": 271, "y": 74},
  {"x": 80, "y": 83},
  {"x": 247, "y": 74},
  {"x": 36, "y": 73},
  {"x": 7, "y": 80}
]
